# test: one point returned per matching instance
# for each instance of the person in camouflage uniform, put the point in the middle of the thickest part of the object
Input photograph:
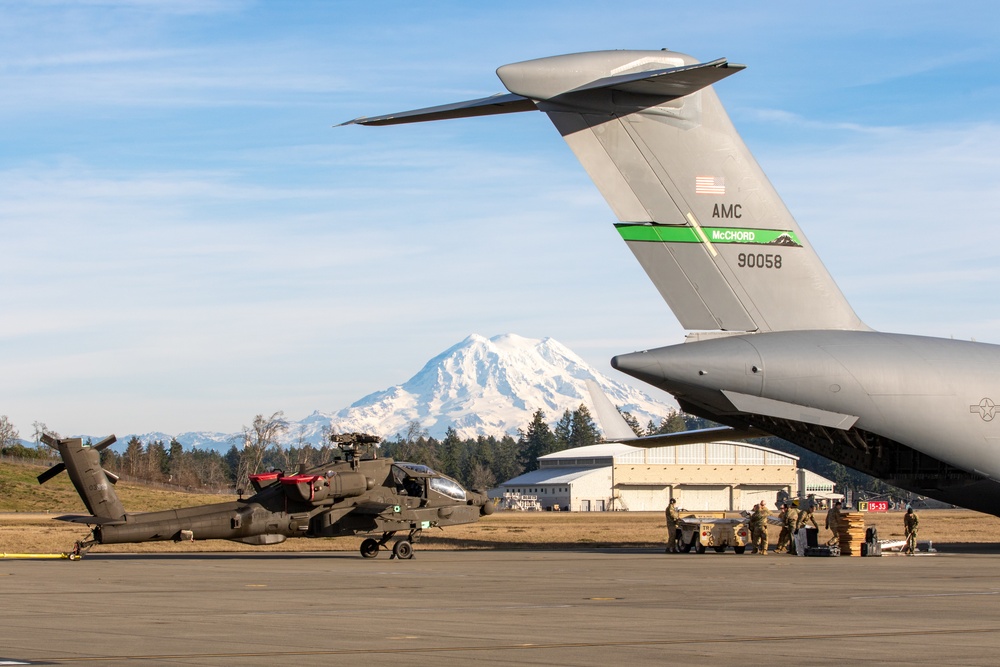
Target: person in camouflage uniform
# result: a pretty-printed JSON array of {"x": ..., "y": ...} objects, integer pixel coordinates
[
  {"x": 784, "y": 535},
  {"x": 758, "y": 527},
  {"x": 673, "y": 523},
  {"x": 806, "y": 516},
  {"x": 833, "y": 523},
  {"x": 791, "y": 520},
  {"x": 910, "y": 523}
]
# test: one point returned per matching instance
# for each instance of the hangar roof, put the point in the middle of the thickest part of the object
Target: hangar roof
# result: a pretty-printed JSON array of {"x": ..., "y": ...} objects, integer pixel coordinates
[
  {"x": 550, "y": 476},
  {"x": 601, "y": 450},
  {"x": 723, "y": 452}
]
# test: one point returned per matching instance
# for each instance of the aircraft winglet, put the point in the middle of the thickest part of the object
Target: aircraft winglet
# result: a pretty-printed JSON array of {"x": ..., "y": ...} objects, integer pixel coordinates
[{"x": 616, "y": 429}]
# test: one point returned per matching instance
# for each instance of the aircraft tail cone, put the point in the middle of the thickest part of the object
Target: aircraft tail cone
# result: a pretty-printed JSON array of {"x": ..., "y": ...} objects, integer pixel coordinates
[{"x": 641, "y": 365}]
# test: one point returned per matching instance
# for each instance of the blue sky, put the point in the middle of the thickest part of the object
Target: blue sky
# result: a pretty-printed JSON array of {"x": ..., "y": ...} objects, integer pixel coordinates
[{"x": 188, "y": 241}]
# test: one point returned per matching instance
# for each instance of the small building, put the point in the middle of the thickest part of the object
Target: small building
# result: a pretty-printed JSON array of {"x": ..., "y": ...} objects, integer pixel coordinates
[
  {"x": 578, "y": 488},
  {"x": 817, "y": 488},
  {"x": 705, "y": 476}
]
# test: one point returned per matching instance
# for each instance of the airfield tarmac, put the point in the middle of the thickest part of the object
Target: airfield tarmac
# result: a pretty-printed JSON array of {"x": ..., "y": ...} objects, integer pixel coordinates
[{"x": 584, "y": 607}]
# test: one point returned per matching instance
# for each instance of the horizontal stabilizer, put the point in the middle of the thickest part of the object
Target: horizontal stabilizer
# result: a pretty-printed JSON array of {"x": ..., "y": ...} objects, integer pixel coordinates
[
  {"x": 486, "y": 106},
  {"x": 90, "y": 520},
  {"x": 695, "y": 437},
  {"x": 659, "y": 85},
  {"x": 791, "y": 411},
  {"x": 668, "y": 83}
]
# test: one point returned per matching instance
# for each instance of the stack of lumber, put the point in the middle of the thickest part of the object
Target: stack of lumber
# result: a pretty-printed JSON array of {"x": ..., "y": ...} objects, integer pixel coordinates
[{"x": 852, "y": 533}]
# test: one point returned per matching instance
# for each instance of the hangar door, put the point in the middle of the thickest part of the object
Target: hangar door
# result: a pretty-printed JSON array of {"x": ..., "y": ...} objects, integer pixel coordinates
[
  {"x": 701, "y": 498},
  {"x": 644, "y": 498}
]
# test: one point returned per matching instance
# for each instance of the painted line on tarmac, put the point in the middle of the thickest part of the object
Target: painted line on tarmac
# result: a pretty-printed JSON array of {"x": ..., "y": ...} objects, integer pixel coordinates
[
  {"x": 922, "y": 595},
  {"x": 514, "y": 647}
]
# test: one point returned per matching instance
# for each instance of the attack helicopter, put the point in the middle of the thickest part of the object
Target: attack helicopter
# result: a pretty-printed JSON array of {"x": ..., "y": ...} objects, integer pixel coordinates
[{"x": 358, "y": 492}]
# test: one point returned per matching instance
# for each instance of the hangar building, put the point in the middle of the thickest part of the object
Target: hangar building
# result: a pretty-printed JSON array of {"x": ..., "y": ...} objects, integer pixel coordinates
[{"x": 706, "y": 476}]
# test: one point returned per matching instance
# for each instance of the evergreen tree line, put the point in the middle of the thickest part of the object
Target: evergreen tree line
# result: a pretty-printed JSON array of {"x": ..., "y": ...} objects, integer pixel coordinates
[{"x": 477, "y": 463}]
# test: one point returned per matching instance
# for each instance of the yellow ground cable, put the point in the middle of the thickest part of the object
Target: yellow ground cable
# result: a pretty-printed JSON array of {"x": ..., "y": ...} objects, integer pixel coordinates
[{"x": 65, "y": 556}]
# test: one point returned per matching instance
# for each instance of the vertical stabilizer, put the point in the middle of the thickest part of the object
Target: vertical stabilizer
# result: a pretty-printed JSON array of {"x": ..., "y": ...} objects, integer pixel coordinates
[
  {"x": 92, "y": 482},
  {"x": 692, "y": 203}
]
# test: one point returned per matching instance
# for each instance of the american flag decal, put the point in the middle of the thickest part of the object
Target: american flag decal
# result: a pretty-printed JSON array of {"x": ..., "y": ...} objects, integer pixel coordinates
[{"x": 709, "y": 185}]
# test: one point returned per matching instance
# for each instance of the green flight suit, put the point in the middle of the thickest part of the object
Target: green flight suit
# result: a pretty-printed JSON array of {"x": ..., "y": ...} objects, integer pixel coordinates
[
  {"x": 910, "y": 523},
  {"x": 758, "y": 528},
  {"x": 673, "y": 523}
]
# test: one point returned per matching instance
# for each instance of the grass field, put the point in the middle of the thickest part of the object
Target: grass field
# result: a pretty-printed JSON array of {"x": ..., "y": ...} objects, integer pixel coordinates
[
  {"x": 20, "y": 492},
  {"x": 26, "y": 524}
]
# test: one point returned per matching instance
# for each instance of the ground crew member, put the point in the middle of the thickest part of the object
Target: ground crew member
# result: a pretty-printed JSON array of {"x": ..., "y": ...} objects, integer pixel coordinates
[
  {"x": 806, "y": 515},
  {"x": 791, "y": 519},
  {"x": 785, "y": 534},
  {"x": 673, "y": 524},
  {"x": 833, "y": 523},
  {"x": 910, "y": 523},
  {"x": 758, "y": 527}
]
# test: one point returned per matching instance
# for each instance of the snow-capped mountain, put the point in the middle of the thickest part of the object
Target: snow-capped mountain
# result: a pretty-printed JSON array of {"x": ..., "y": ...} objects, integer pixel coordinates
[
  {"x": 491, "y": 386},
  {"x": 481, "y": 386}
]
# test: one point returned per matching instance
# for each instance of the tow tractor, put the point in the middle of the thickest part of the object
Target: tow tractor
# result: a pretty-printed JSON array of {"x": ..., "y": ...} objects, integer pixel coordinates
[{"x": 702, "y": 530}]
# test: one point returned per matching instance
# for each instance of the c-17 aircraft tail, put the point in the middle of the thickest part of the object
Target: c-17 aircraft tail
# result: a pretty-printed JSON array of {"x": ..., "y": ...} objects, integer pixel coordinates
[
  {"x": 774, "y": 346},
  {"x": 692, "y": 203}
]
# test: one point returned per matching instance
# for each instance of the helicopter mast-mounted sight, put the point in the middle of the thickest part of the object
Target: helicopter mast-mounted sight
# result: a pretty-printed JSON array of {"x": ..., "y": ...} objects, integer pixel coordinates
[{"x": 356, "y": 446}]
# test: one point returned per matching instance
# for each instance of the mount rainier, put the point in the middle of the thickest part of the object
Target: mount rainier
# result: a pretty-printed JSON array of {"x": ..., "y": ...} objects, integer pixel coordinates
[{"x": 480, "y": 386}]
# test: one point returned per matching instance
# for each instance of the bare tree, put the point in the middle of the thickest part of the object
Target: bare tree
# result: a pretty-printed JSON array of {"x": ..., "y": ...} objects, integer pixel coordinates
[
  {"x": 481, "y": 477},
  {"x": 263, "y": 433},
  {"x": 409, "y": 448},
  {"x": 8, "y": 433},
  {"x": 40, "y": 428}
]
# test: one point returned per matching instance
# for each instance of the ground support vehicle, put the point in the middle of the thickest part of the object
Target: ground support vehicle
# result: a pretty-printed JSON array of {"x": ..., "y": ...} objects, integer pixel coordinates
[{"x": 713, "y": 530}]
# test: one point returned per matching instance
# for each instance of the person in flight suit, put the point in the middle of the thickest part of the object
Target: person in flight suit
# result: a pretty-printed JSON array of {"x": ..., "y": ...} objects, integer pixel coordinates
[
  {"x": 791, "y": 519},
  {"x": 785, "y": 535},
  {"x": 758, "y": 527},
  {"x": 806, "y": 516},
  {"x": 833, "y": 523},
  {"x": 673, "y": 523},
  {"x": 910, "y": 523}
]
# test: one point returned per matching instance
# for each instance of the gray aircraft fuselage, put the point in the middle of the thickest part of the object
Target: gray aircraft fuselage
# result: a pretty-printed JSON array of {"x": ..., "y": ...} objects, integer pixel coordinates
[{"x": 917, "y": 412}]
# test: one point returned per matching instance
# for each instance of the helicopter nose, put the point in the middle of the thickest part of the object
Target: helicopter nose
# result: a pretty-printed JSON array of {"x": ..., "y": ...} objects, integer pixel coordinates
[{"x": 486, "y": 506}]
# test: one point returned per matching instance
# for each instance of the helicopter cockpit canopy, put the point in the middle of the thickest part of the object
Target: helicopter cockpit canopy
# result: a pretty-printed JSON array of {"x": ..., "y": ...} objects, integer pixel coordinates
[{"x": 411, "y": 477}]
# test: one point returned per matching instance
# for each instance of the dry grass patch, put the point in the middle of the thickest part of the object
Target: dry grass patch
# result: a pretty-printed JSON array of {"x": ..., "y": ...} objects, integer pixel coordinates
[
  {"x": 21, "y": 492},
  {"x": 30, "y": 530},
  {"x": 38, "y": 533}
]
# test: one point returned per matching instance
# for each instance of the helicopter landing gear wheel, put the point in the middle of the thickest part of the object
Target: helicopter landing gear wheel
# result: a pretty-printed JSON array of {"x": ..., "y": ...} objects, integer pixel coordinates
[
  {"x": 402, "y": 550},
  {"x": 369, "y": 548}
]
